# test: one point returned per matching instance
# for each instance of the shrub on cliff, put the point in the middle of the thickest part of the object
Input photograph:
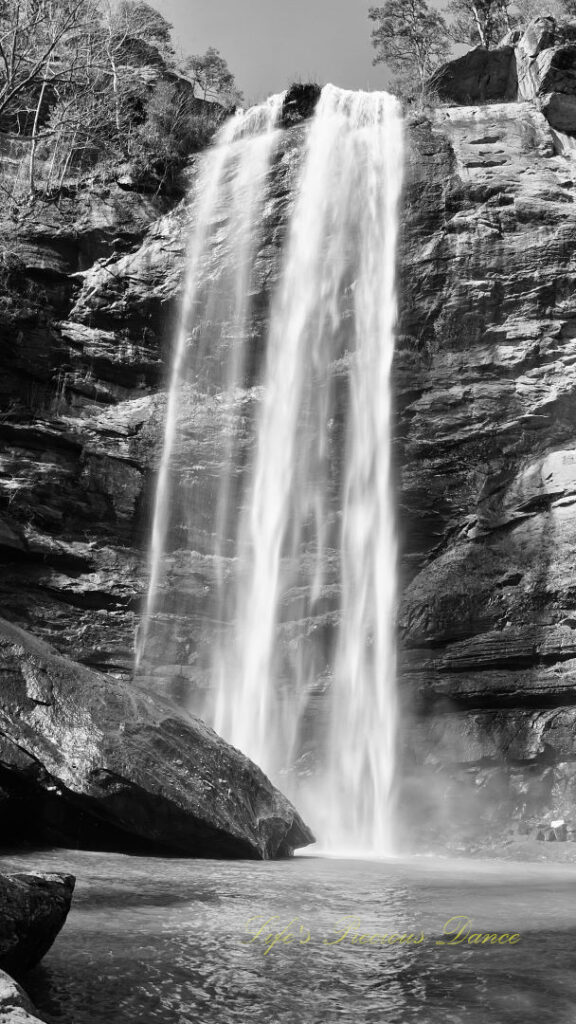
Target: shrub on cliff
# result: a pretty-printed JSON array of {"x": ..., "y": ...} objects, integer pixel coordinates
[{"x": 175, "y": 125}]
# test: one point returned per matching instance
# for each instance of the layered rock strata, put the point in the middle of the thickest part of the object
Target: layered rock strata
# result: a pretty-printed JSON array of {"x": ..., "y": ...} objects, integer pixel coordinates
[{"x": 73, "y": 404}]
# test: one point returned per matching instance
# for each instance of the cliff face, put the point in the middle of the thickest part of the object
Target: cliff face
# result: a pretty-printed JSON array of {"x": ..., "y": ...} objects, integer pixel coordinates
[
  {"x": 486, "y": 447},
  {"x": 73, "y": 403},
  {"x": 487, "y": 455}
]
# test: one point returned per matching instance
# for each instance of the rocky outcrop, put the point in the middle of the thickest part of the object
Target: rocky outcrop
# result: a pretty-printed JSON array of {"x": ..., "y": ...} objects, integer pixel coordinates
[
  {"x": 15, "y": 1007},
  {"x": 477, "y": 77},
  {"x": 536, "y": 64},
  {"x": 34, "y": 909},
  {"x": 91, "y": 761}
]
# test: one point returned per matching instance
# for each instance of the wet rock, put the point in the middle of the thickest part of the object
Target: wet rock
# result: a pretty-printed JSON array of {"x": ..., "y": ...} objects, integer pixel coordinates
[
  {"x": 33, "y": 910},
  {"x": 299, "y": 103},
  {"x": 91, "y": 758},
  {"x": 15, "y": 1006}
]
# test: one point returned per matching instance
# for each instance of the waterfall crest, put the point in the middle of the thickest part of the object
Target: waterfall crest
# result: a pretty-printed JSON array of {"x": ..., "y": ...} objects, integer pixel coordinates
[{"x": 302, "y": 674}]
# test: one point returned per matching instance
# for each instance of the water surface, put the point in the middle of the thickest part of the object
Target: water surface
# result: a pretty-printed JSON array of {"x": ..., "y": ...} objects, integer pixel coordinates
[{"x": 172, "y": 941}]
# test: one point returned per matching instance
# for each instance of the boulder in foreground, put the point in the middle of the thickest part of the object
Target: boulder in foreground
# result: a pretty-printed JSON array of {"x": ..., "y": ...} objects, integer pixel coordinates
[
  {"x": 33, "y": 909},
  {"x": 89, "y": 756},
  {"x": 15, "y": 1007}
]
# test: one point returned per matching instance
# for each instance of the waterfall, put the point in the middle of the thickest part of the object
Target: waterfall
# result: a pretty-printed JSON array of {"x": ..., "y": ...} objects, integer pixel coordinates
[
  {"x": 231, "y": 190},
  {"x": 302, "y": 667}
]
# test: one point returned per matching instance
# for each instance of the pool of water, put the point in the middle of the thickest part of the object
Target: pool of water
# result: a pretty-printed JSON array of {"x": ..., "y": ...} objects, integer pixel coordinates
[{"x": 308, "y": 941}]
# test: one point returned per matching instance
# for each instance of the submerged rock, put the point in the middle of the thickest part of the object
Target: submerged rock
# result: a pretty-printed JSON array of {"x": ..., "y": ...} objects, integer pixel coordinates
[
  {"x": 92, "y": 760},
  {"x": 33, "y": 909}
]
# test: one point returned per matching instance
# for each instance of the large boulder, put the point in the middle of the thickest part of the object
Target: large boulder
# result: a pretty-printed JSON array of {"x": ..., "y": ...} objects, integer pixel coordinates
[
  {"x": 477, "y": 77},
  {"x": 560, "y": 111},
  {"x": 95, "y": 759},
  {"x": 15, "y": 1007},
  {"x": 33, "y": 909}
]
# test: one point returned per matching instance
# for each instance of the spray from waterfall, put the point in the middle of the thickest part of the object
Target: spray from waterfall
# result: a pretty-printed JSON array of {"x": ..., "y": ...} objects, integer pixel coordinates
[{"x": 302, "y": 667}]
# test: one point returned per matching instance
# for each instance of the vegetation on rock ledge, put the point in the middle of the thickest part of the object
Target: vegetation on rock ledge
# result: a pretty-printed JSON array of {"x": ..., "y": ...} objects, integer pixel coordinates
[{"x": 87, "y": 83}]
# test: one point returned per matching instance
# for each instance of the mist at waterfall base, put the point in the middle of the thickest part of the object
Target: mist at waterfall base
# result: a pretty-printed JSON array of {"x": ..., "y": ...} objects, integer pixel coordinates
[{"x": 274, "y": 522}]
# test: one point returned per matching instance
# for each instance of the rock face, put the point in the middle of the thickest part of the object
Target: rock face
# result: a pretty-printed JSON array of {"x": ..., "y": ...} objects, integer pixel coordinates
[
  {"x": 74, "y": 404},
  {"x": 34, "y": 909},
  {"x": 91, "y": 760},
  {"x": 487, "y": 463}
]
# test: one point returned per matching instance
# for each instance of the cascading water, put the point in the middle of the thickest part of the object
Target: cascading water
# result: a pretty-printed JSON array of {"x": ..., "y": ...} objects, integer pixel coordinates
[
  {"x": 231, "y": 191},
  {"x": 302, "y": 671}
]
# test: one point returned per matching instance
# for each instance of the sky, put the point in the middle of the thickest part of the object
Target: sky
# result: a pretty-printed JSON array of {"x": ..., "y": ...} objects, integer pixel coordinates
[{"x": 269, "y": 44}]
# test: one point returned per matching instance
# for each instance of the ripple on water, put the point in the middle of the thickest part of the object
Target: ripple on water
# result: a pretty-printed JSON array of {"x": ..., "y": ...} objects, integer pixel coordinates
[{"x": 172, "y": 941}]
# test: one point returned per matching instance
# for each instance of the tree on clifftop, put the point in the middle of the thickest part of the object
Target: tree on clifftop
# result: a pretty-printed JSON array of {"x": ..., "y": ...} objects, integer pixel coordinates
[
  {"x": 212, "y": 77},
  {"x": 482, "y": 22},
  {"x": 412, "y": 39}
]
